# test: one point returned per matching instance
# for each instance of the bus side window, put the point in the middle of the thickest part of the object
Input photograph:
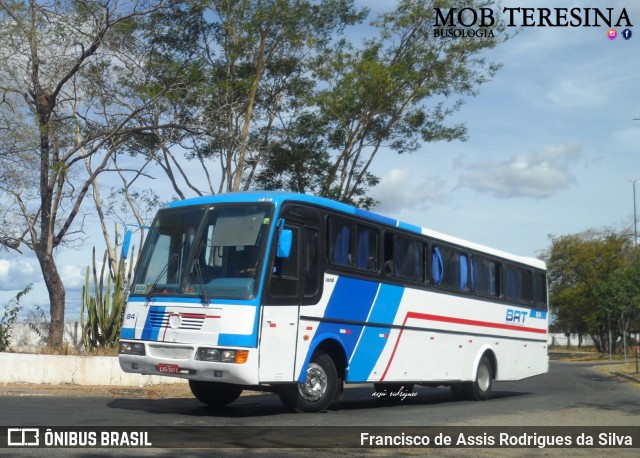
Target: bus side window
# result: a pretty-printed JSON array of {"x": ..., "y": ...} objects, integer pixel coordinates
[
  {"x": 485, "y": 276},
  {"x": 539, "y": 291},
  {"x": 340, "y": 238},
  {"x": 518, "y": 284},
  {"x": 437, "y": 266},
  {"x": 449, "y": 268},
  {"x": 367, "y": 249},
  {"x": 408, "y": 262}
]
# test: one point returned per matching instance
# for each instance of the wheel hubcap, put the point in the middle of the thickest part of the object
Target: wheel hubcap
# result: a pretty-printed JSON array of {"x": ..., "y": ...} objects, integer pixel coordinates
[
  {"x": 484, "y": 377},
  {"x": 315, "y": 385}
]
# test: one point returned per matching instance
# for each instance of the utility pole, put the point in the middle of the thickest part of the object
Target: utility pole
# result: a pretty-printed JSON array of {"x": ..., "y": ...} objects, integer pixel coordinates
[{"x": 635, "y": 218}]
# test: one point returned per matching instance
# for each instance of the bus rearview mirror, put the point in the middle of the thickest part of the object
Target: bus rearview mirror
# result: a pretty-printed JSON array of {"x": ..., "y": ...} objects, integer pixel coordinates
[
  {"x": 284, "y": 243},
  {"x": 125, "y": 244}
]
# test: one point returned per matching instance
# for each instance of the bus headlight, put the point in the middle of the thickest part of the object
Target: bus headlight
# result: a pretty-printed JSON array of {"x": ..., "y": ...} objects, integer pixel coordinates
[
  {"x": 214, "y": 355},
  {"x": 132, "y": 348},
  {"x": 208, "y": 354},
  {"x": 228, "y": 356}
]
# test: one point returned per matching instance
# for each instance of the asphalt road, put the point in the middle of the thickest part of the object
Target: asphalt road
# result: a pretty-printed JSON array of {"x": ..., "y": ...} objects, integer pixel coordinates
[{"x": 570, "y": 395}]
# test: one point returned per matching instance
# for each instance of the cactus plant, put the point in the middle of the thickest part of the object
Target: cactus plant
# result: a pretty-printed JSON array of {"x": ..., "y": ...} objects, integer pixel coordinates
[{"x": 101, "y": 312}]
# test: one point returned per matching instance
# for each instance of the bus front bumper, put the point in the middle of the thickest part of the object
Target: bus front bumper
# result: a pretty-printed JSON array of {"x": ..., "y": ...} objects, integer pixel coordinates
[{"x": 214, "y": 364}]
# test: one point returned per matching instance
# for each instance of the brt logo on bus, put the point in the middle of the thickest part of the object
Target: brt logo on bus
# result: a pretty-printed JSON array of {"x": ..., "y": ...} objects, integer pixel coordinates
[{"x": 516, "y": 316}]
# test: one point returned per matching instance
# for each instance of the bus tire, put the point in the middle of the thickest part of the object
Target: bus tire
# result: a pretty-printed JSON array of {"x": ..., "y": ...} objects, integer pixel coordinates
[
  {"x": 215, "y": 394},
  {"x": 458, "y": 391},
  {"x": 317, "y": 391},
  {"x": 480, "y": 388}
]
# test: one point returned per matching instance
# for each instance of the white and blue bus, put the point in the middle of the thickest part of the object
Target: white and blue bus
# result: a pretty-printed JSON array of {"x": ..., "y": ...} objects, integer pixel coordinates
[{"x": 300, "y": 295}]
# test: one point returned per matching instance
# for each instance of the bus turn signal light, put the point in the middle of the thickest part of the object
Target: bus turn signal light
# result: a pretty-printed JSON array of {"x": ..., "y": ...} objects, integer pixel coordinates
[{"x": 242, "y": 356}]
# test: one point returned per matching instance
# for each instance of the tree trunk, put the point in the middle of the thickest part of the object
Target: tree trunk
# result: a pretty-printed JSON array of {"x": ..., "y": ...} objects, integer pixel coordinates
[{"x": 57, "y": 296}]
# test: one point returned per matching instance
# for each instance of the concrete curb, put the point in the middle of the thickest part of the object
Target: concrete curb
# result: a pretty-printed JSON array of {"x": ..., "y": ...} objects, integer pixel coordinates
[
  {"x": 73, "y": 370},
  {"x": 627, "y": 376}
]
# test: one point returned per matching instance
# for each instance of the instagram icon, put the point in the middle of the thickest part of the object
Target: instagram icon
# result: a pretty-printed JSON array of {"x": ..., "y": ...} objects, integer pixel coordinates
[{"x": 612, "y": 34}]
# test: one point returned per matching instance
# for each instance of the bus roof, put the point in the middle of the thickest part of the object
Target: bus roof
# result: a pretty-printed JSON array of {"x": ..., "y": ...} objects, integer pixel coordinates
[{"x": 279, "y": 197}]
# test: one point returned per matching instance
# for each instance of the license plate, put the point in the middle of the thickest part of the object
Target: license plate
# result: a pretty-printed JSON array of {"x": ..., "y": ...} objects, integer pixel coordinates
[{"x": 168, "y": 368}]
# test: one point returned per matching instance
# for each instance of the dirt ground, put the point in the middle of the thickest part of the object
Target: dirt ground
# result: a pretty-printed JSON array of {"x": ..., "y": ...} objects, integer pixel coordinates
[{"x": 171, "y": 390}]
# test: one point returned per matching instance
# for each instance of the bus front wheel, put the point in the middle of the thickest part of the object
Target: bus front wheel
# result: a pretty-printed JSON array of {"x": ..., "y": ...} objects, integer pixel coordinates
[
  {"x": 317, "y": 391},
  {"x": 215, "y": 394}
]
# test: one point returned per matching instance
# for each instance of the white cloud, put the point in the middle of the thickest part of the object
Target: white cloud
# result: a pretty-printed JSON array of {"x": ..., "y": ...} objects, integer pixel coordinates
[
  {"x": 537, "y": 175},
  {"x": 73, "y": 277},
  {"x": 396, "y": 193},
  {"x": 15, "y": 274}
]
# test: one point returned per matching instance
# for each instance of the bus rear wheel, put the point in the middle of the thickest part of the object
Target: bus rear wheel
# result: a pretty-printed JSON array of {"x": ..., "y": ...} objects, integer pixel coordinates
[
  {"x": 317, "y": 391},
  {"x": 215, "y": 394},
  {"x": 480, "y": 389}
]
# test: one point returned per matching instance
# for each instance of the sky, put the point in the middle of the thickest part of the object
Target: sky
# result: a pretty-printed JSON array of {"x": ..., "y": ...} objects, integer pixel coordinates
[{"x": 552, "y": 146}]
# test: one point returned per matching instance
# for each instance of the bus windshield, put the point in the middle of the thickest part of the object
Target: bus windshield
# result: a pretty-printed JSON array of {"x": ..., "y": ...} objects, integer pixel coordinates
[{"x": 207, "y": 252}]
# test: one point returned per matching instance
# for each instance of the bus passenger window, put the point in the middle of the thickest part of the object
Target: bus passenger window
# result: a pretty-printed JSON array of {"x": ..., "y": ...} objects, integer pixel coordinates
[
  {"x": 408, "y": 261},
  {"x": 518, "y": 284},
  {"x": 340, "y": 243},
  {"x": 367, "y": 249},
  {"x": 449, "y": 268},
  {"x": 539, "y": 291},
  {"x": 485, "y": 276}
]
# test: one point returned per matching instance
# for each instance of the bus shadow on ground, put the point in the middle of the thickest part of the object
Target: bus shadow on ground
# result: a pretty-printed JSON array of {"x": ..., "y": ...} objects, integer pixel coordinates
[
  {"x": 267, "y": 404},
  {"x": 366, "y": 399}
]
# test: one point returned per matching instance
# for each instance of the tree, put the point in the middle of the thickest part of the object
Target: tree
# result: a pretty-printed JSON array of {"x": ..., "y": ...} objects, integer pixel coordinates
[
  {"x": 252, "y": 61},
  {"x": 583, "y": 270},
  {"x": 290, "y": 101},
  {"x": 394, "y": 91},
  {"x": 620, "y": 294},
  {"x": 64, "y": 117}
]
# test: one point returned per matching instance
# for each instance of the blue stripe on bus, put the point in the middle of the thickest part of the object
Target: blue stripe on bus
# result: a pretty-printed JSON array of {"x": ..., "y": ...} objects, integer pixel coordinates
[
  {"x": 128, "y": 333},
  {"x": 374, "y": 338},
  {"x": 351, "y": 300},
  {"x": 375, "y": 217},
  {"x": 151, "y": 332},
  {"x": 409, "y": 227}
]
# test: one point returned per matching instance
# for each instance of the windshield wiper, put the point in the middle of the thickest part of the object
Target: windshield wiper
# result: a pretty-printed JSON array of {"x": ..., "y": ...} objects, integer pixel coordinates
[
  {"x": 200, "y": 279},
  {"x": 165, "y": 269}
]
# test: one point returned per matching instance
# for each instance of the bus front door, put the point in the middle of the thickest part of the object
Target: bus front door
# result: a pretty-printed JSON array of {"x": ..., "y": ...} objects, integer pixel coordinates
[
  {"x": 278, "y": 343},
  {"x": 279, "y": 326}
]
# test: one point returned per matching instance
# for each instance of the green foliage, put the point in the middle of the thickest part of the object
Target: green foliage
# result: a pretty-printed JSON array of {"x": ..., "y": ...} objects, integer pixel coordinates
[
  {"x": 9, "y": 317},
  {"x": 65, "y": 123},
  {"x": 101, "y": 312},
  {"x": 279, "y": 94},
  {"x": 594, "y": 285},
  {"x": 394, "y": 92}
]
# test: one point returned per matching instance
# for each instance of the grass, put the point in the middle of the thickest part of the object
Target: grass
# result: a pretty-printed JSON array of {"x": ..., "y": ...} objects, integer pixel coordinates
[
  {"x": 602, "y": 361},
  {"x": 71, "y": 350}
]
